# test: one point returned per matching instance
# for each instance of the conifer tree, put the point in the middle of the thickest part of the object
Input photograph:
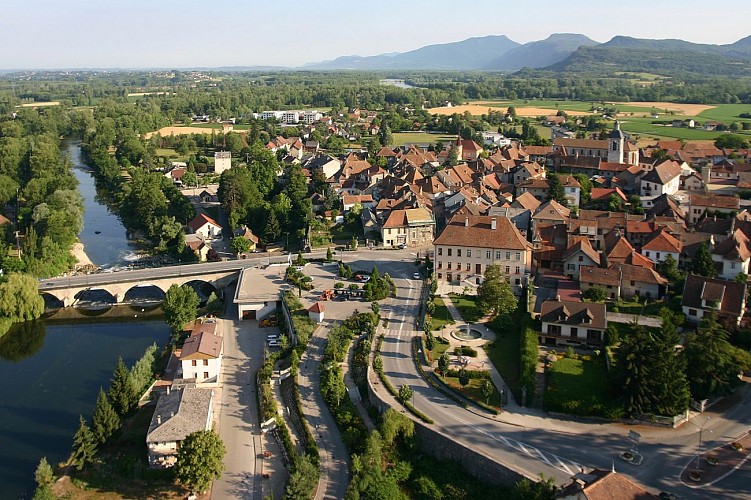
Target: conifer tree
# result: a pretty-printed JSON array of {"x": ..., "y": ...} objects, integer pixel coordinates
[
  {"x": 556, "y": 191},
  {"x": 44, "y": 478},
  {"x": 121, "y": 393},
  {"x": 702, "y": 263},
  {"x": 84, "y": 445},
  {"x": 105, "y": 420},
  {"x": 635, "y": 371},
  {"x": 670, "y": 384}
]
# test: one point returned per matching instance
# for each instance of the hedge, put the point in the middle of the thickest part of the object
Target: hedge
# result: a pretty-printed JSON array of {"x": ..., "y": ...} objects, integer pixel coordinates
[
  {"x": 465, "y": 350},
  {"x": 473, "y": 374}
]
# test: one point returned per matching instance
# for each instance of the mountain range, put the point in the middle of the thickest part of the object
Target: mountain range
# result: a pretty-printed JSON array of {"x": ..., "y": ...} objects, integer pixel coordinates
[{"x": 561, "y": 52}]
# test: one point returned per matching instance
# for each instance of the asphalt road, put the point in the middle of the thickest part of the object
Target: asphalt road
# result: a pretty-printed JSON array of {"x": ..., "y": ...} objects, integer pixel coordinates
[
  {"x": 536, "y": 443},
  {"x": 238, "y": 413}
]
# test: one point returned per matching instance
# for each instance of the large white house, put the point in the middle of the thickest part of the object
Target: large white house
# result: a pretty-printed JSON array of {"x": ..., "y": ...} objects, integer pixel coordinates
[
  {"x": 470, "y": 243},
  {"x": 178, "y": 412},
  {"x": 201, "y": 354},
  {"x": 665, "y": 178}
]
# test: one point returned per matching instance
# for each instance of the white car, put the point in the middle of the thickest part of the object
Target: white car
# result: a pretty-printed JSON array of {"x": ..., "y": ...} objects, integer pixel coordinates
[
  {"x": 416, "y": 276},
  {"x": 275, "y": 343}
]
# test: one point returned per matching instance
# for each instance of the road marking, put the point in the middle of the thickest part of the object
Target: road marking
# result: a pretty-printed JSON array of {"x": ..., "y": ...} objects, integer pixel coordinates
[{"x": 562, "y": 465}]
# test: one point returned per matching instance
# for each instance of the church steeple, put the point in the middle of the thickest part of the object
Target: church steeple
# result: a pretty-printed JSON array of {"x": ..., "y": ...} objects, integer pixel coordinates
[{"x": 615, "y": 144}]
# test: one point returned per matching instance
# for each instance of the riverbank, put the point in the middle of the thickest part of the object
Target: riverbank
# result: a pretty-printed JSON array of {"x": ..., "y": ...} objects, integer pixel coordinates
[{"x": 78, "y": 251}]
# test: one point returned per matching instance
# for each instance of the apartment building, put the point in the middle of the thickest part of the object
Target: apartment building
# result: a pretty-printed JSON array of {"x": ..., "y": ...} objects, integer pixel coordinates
[{"x": 470, "y": 243}]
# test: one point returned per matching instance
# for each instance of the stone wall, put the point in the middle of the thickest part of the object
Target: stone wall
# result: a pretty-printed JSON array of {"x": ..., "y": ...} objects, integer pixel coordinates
[{"x": 438, "y": 445}]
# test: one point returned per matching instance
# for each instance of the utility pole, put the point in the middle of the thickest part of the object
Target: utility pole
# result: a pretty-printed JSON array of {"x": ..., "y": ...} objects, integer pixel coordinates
[{"x": 701, "y": 431}]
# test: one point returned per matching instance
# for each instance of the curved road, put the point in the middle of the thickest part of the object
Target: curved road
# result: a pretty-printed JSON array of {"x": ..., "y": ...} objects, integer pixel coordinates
[{"x": 534, "y": 443}]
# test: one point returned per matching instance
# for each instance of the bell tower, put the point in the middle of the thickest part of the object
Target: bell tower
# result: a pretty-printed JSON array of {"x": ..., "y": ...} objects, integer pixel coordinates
[{"x": 615, "y": 144}]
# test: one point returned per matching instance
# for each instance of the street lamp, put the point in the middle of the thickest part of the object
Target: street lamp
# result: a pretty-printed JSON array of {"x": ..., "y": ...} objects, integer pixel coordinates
[
  {"x": 286, "y": 246},
  {"x": 701, "y": 432}
]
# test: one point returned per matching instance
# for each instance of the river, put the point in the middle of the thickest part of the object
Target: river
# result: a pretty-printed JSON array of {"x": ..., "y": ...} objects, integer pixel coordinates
[
  {"x": 51, "y": 371},
  {"x": 103, "y": 235}
]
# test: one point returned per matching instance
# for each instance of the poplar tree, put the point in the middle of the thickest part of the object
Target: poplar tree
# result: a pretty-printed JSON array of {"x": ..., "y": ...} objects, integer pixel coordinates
[{"x": 105, "y": 421}]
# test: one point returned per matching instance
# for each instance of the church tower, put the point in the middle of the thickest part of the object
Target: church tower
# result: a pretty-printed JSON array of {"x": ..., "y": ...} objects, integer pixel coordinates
[{"x": 615, "y": 144}]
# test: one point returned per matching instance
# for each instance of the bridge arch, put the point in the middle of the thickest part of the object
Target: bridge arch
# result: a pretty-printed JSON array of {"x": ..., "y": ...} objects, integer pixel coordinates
[
  {"x": 203, "y": 289},
  {"x": 51, "y": 301},
  {"x": 95, "y": 297},
  {"x": 144, "y": 293}
]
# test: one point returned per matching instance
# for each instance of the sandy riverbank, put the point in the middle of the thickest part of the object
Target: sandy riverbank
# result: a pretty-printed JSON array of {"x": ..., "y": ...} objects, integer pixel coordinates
[{"x": 80, "y": 254}]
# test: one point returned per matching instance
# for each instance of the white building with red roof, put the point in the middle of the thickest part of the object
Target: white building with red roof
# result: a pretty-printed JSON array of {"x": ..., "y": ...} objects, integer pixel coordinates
[{"x": 205, "y": 226}]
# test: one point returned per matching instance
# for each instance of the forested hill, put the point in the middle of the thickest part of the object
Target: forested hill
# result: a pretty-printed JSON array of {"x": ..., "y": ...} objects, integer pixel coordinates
[
  {"x": 667, "y": 57},
  {"x": 473, "y": 53}
]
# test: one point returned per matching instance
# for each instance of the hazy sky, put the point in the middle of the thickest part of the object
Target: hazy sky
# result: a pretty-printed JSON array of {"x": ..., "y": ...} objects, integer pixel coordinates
[{"x": 189, "y": 33}]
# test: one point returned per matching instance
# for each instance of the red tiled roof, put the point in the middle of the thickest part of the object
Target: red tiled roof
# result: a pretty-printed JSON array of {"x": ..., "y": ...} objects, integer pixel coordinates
[{"x": 475, "y": 231}]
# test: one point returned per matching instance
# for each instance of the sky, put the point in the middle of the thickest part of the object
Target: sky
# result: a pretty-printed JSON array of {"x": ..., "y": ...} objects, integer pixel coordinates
[{"x": 55, "y": 34}]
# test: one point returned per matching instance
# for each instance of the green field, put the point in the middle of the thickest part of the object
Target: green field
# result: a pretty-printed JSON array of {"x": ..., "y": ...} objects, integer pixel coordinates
[
  {"x": 467, "y": 306},
  {"x": 441, "y": 316},
  {"x": 406, "y": 138}
]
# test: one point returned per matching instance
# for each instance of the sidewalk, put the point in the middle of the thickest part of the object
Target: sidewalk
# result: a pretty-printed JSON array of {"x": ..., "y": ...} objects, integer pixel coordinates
[{"x": 352, "y": 389}]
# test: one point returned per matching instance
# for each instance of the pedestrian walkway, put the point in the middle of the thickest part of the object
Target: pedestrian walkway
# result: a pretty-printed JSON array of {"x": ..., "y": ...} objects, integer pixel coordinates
[
  {"x": 482, "y": 362},
  {"x": 352, "y": 389},
  {"x": 333, "y": 453}
]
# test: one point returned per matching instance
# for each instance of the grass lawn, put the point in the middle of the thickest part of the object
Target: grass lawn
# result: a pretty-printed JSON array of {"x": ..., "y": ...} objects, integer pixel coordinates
[
  {"x": 438, "y": 349},
  {"x": 473, "y": 390},
  {"x": 650, "y": 309},
  {"x": 504, "y": 354},
  {"x": 404, "y": 138},
  {"x": 441, "y": 316},
  {"x": 467, "y": 306},
  {"x": 580, "y": 387}
]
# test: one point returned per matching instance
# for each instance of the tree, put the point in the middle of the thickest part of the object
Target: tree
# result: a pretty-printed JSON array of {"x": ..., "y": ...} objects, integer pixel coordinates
[
  {"x": 121, "y": 393},
  {"x": 329, "y": 255},
  {"x": 702, "y": 263},
  {"x": 44, "y": 478},
  {"x": 240, "y": 245},
  {"x": 731, "y": 141},
  {"x": 20, "y": 299},
  {"x": 713, "y": 361},
  {"x": 556, "y": 191},
  {"x": 105, "y": 420},
  {"x": 670, "y": 383},
  {"x": 84, "y": 445},
  {"x": 668, "y": 269},
  {"x": 443, "y": 364},
  {"x": 487, "y": 390},
  {"x": 463, "y": 377},
  {"x": 405, "y": 394},
  {"x": 302, "y": 480},
  {"x": 495, "y": 295},
  {"x": 453, "y": 157},
  {"x": 595, "y": 294},
  {"x": 180, "y": 307},
  {"x": 200, "y": 460},
  {"x": 634, "y": 377}
]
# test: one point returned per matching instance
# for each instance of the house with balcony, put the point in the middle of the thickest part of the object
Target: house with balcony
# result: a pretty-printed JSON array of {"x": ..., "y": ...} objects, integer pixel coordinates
[
  {"x": 703, "y": 296},
  {"x": 664, "y": 178},
  {"x": 201, "y": 354},
  {"x": 573, "y": 323},
  {"x": 470, "y": 243}
]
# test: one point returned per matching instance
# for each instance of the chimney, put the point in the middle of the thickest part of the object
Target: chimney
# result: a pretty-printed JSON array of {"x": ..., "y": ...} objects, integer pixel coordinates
[
  {"x": 492, "y": 223},
  {"x": 557, "y": 298},
  {"x": 158, "y": 420},
  {"x": 171, "y": 414},
  {"x": 168, "y": 389},
  {"x": 466, "y": 222}
]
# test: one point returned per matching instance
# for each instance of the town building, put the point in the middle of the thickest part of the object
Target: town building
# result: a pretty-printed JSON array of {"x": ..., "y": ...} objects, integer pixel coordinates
[
  {"x": 703, "y": 296},
  {"x": 470, "y": 243},
  {"x": 410, "y": 227},
  {"x": 573, "y": 323},
  {"x": 204, "y": 226},
  {"x": 179, "y": 412},
  {"x": 201, "y": 354},
  {"x": 222, "y": 161}
]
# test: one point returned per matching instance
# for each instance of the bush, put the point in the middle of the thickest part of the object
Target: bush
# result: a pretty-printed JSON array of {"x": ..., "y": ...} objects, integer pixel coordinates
[
  {"x": 472, "y": 374},
  {"x": 465, "y": 350}
]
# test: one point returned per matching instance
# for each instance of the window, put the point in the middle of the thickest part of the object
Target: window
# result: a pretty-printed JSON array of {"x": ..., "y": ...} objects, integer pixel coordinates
[
  {"x": 570, "y": 267},
  {"x": 554, "y": 329},
  {"x": 469, "y": 266},
  {"x": 448, "y": 265},
  {"x": 440, "y": 264},
  {"x": 517, "y": 282},
  {"x": 517, "y": 270},
  {"x": 732, "y": 265},
  {"x": 508, "y": 255},
  {"x": 487, "y": 254},
  {"x": 581, "y": 258},
  {"x": 594, "y": 335},
  {"x": 658, "y": 255},
  {"x": 633, "y": 283},
  {"x": 469, "y": 253},
  {"x": 458, "y": 252},
  {"x": 647, "y": 253},
  {"x": 692, "y": 312},
  {"x": 518, "y": 256},
  {"x": 205, "y": 374},
  {"x": 497, "y": 255},
  {"x": 440, "y": 250},
  {"x": 194, "y": 363},
  {"x": 440, "y": 275},
  {"x": 205, "y": 362},
  {"x": 508, "y": 269},
  {"x": 449, "y": 252},
  {"x": 574, "y": 331}
]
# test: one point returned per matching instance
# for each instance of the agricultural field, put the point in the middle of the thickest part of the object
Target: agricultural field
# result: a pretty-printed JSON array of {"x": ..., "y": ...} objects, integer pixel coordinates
[{"x": 404, "y": 138}]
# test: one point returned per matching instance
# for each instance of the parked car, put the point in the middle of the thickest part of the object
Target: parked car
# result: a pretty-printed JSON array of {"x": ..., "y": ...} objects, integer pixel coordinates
[
  {"x": 416, "y": 276},
  {"x": 275, "y": 343}
]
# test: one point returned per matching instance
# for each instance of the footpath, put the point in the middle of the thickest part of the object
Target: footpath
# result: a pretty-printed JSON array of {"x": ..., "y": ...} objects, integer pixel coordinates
[{"x": 333, "y": 453}]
